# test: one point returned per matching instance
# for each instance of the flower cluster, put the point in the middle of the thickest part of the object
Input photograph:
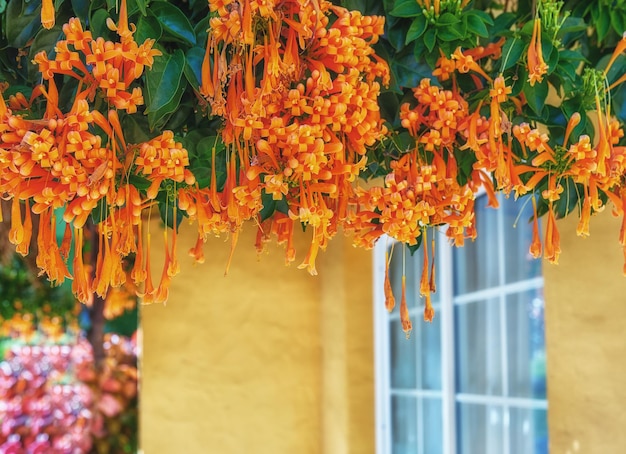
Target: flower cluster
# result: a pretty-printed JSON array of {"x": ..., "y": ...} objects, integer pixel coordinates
[
  {"x": 430, "y": 186},
  {"x": 296, "y": 85},
  {"x": 79, "y": 161}
]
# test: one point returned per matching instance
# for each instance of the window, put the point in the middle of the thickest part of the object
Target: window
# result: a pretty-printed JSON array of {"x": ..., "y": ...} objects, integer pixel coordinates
[{"x": 474, "y": 380}]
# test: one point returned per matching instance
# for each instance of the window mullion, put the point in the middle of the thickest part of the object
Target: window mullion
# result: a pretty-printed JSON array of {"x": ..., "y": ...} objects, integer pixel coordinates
[
  {"x": 382, "y": 367},
  {"x": 445, "y": 270},
  {"x": 503, "y": 335}
]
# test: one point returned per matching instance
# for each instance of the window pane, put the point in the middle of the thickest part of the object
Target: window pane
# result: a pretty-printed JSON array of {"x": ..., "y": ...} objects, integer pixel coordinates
[
  {"x": 480, "y": 429},
  {"x": 476, "y": 264},
  {"x": 430, "y": 353},
  {"x": 477, "y": 347},
  {"x": 526, "y": 344},
  {"x": 519, "y": 264},
  {"x": 403, "y": 356},
  {"x": 403, "y": 425},
  {"x": 529, "y": 431},
  {"x": 433, "y": 424}
]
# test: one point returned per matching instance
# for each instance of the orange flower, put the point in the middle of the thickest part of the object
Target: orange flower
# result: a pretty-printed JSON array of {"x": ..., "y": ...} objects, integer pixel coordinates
[
  {"x": 405, "y": 319},
  {"x": 47, "y": 13},
  {"x": 535, "y": 246},
  {"x": 390, "y": 301},
  {"x": 537, "y": 67}
]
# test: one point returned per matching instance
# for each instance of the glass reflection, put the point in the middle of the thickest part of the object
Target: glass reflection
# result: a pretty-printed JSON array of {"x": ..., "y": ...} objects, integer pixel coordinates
[
  {"x": 404, "y": 425},
  {"x": 480, "y": 429},
  {"x": 477, "y": 348},
  {"x": 526, "y": 344}
]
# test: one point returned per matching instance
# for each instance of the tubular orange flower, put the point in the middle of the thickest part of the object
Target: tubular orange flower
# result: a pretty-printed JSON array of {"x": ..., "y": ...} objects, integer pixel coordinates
[
  {"x": 390, "y": 301},
  {"x": 47, "y": 13},
  {"x": 537, "y": 67},
  {"x": 405, "y": 319},
  {"x": 535, "y": 246}
]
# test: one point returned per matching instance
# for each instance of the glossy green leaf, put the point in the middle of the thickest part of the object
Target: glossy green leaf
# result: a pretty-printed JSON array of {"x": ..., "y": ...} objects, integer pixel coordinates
[
  {"x": 174, "y": 22},
  {"x": 511, "y": 53},
  {"x": 448, "y": 33},
  {"x": 406, "y": 8},
  {"x": 417, "y": 29},
  {"x": 269, "y": 206},
  {"x": 45, "y": 40},
  {"x": 23, "y": 20},
  {"x": 603, "y": 23},
  {"x": 139, "y": 182},
  {"x": 203, "y": 159},
  {"x": 193, "y": 66},
  {"x": 618, "y": 21},
  {"x": 163, "y": 83},
  {"x": 447, "y": 20},
  {"x": 476, "y": 25},
  {"x": 136, "y": 128},
  {"x": 502, "y": 23},
  {"x": 148, "y": 27},
  {"x": 201, "y": 31},
  {"x": 536, "y": 96},
  {"x": 98, "y": 24},
  {"x": 81, "y": 8},
  {"x": 396, "y": 30},
  {"x": 407, "y": 70},
  {"x": 430, "y": 39},
  {"x": 141, "y": 5}
]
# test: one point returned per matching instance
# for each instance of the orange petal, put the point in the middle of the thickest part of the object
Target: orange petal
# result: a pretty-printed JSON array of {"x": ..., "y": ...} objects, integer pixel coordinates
[{"x": 47, "y": 13}]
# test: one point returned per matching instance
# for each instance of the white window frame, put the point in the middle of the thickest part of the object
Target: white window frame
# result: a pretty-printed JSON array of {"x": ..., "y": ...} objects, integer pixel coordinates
[{"x": 447, "y": 302}]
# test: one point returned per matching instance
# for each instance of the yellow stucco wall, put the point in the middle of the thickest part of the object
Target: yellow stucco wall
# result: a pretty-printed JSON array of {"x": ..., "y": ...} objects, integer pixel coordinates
[
  {"x": 267, "y": 360},
  {"x": 586, "y": 341}
]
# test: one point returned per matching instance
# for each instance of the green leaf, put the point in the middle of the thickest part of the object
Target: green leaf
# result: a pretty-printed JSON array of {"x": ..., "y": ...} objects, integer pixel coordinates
[
  {"x": 511, "y": 53},
  {"x": 396, "y": 30},
  {"x": 139, "y": 182},
  {"x": 406, "y": 8},
  {"x": 200, "y": 29},
  {"x": 503, "y": 23},
  {"x": 536, "y": 96},
  {"x": 98, "y": 24},
  {"x": 22, "y": 21},
  {"x": 45, "y": 40},
  {"x": 603, "y": 24},
  {"x": 417, "y": 29},
  {"x": 81, "y": 8},
  {"x": 618, "y": 21},
  {"x": 163, "y": 85},
  {"x": 269, "y": 206},
  {"x": 148, "y": 27},
  {"x": 141, "y": 6},
  {"x": 447, "y": 20},
  {"x": 174, "y": 22},
  {"x": 204, "y": 156},
  {"x": 193, "y": 66},
  {"x": 476, "y": 25},
  {"x": 430, "y": 39},
  {"x": 408, "y": 70},
  {"x": 447, "y": 33},
  {"x": 136, "y": 128}
]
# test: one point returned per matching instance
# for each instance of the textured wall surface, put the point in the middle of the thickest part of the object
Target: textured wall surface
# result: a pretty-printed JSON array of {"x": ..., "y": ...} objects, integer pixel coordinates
[
  {"x": 246, "y": 364},
  {"x": 586, "y": 341}
]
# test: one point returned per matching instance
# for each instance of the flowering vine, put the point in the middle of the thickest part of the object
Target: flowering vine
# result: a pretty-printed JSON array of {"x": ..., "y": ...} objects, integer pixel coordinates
[{"x": 275, "y": 112}]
